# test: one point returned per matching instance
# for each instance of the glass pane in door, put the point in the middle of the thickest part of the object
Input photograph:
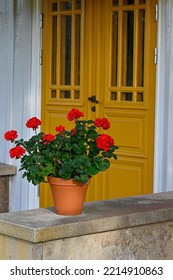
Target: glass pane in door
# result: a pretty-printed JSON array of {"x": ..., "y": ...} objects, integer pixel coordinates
[
  {"x": 65, "y": 5},
  {"x": 115, "y": 2},
  {"x": 127, "y": 48},
  {"x": 78, "y": 4},
  {"x": 65, "y": 54},
  {"x": 140, "y": 48},
  {"x": 54, "y": 7},
  {"x": 128, "y": 2},
  {"x": 114, "y": 59},
  {"x": 54, "y": 51},
  {"x": 77, "y": 49}
]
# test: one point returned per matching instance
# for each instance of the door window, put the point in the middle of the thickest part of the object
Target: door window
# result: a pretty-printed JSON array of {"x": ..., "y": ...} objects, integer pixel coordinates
[
  {"x": 127, "y": 52},
  {"x": 65, "y": 50}
]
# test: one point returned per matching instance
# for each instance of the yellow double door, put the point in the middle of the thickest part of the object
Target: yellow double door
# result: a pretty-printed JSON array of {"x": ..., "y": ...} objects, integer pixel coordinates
[{"x": 98, "y": 56}]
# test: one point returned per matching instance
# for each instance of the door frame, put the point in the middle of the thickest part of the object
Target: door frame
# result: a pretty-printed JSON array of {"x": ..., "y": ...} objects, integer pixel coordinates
[{"x": 163, "y": 157}]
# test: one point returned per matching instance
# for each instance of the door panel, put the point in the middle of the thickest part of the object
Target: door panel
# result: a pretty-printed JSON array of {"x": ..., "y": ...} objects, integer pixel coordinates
[
  {"x": 127, "y": 170},
  {"x": 129, "y": 128},
  {"x": 104, "y": 48}
]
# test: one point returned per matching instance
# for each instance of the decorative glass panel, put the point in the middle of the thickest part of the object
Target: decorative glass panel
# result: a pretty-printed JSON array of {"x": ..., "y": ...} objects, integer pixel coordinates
[
  {"x": 65, "y": 56},
  {"x": 65, "y": 94},
  {"x": 54, "y": 50},
  {"x": 66, "y": 5},
  {"x": 127, "y": 48},
  {"x": 115, "y": 2},
  {"x": 77, "y": 50},
  {"x": 128, "y": 2},
  {"x": 76, "y": 94},
  {"x": 126, "y": 96},
  {"x": 113, "y": 96},
  {"x": 114, "y": 48},
  {"x": 140, "y": 48}
]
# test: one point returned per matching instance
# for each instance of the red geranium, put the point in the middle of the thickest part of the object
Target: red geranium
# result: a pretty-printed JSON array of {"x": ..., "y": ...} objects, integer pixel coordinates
[
  {"x": 10, "y": 135},
  {"x": 48, "y": 138},
  {"x": 33, "y": 123},
  {"x": 74, "y": 114},
  {"x": 102, "y": 123},
  {"x": 60, "y": 128},
  {"x": 16, "y": 152},
  {"x": 104, "y": 142}
]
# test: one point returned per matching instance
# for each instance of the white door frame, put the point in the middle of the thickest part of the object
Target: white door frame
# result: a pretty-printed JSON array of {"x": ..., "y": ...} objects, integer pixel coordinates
[{"x": 163, "y": 159}]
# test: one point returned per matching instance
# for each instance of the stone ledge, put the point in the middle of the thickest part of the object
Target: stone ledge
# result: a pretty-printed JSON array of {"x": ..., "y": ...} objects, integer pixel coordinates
[
  {"x": 40, "y": 225},
  {"x": 7, "y": 169}
]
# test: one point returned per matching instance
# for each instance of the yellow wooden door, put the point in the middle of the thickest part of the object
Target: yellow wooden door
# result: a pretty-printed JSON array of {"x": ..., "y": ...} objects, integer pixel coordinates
[{"x": 105, "y": 49}]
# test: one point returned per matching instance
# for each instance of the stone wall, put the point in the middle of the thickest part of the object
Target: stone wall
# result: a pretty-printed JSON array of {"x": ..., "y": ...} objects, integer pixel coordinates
[
  {"x": 130, "y": 228},
  {"x": 4, "y": 194},
  {"x": 6, "y": 171}
]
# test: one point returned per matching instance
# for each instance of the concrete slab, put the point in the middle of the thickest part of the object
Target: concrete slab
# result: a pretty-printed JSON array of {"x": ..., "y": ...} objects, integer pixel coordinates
[
  {"x": 7, "y": 169},
  {"x": 41, "y": 225}
]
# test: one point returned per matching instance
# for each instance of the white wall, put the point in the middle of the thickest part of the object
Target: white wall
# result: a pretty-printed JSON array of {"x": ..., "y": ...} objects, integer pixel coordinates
[
  {"x": 163, "y": 177},
  {"x": 20, "y": 90}
]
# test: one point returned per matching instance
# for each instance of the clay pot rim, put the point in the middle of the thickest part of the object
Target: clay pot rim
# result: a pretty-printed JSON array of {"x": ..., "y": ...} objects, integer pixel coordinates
[{"x": 65, "y": 182}]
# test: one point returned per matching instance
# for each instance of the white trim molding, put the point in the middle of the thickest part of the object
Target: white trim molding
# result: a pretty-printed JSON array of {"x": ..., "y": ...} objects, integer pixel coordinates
[
  {"x": 163, "y": 160},
  {"x": 21, "y": 84}
]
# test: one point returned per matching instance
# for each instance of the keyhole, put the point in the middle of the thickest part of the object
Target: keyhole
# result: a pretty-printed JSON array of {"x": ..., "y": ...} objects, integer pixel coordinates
[{"x": 93, "y": 108}]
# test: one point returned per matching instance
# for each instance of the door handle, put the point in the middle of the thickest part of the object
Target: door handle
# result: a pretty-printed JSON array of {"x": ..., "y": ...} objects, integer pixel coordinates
[{"x": 93, "y": 99}]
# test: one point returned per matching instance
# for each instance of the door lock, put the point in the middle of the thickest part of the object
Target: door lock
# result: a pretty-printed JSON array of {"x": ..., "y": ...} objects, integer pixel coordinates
[{"x": 93, "y": 99}]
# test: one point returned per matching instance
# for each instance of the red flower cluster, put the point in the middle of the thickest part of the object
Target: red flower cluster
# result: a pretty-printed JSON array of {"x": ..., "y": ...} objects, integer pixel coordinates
[
  {"x": 74, "y": 114},
  {"x": 48, "y": 138},
  {"x": 60, "y": 128},
  {"x": 104, "y": 142},
  {"x": 17, "y": 152},
  {"x": 68, "y": 154},
  {"x": 33, "y": 123},
  {"x": 102, "y": 123},
  {"x": 10, "y": 135}
]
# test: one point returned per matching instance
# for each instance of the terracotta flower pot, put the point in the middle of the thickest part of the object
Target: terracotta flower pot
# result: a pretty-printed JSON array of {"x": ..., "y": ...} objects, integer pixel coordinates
[{"x": 68, "y": 196}]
